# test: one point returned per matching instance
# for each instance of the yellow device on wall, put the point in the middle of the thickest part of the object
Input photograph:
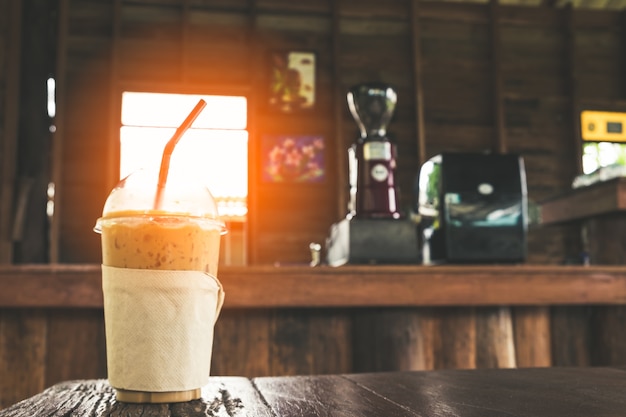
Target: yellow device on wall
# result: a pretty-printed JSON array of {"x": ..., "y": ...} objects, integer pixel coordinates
[{"x": 603, "y": 126}]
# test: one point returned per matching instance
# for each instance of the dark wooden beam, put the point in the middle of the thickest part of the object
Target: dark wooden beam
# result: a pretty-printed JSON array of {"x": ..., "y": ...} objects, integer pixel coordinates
[
  {"x": 623, "y": 51},
  {"x": 416, "y": 42},
  {"x": 34, "y": 150},
  {"x": 500, "y": 142},
  {"x": 572, "y": 88},
  {"x": 339, "y": 102},
  {"x": 256, "y": 80},
  {"x": 254, "y": 58},
  {"x": 9, "y": 132},
  {"x": 113, "y": 151}
]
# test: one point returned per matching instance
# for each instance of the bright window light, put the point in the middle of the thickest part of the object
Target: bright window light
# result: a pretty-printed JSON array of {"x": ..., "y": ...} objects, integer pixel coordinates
[
  {"x": 169, "y": 110},
  {"x": 597, "y": 155},
  {"x": 215, "y": 147},
  {"x": 51, "y": 94}
]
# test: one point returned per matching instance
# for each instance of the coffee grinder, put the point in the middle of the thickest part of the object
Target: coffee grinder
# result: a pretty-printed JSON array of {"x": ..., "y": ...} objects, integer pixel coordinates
[
  {"x": 372, "y": 158},
  {"x": 374, "y": 230}
]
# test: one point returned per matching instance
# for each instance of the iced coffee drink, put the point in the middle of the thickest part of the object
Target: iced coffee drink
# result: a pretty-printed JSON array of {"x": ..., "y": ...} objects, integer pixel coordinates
[
  {"x": 158, "y": 240},
  {"x": 161, "y": 293}
]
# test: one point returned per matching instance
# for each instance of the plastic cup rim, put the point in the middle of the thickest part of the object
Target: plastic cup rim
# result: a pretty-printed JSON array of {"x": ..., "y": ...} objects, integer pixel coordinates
[{"x": 205, "y": 219}]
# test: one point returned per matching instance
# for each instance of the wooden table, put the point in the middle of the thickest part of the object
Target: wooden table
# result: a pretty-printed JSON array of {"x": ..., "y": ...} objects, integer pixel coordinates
[{"x": 535, "y": 392}]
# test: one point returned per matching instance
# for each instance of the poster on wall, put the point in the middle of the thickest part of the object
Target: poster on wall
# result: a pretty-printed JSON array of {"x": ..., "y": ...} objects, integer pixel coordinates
[
  {"x": 293, "y": 158},
  {"x": 292, "y": 81}
]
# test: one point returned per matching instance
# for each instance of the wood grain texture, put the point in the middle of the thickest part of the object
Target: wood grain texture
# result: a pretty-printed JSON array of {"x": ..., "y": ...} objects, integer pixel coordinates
[
  {"x": 511, "y": 392},
  {"x": 75, "y": 346},
  {"x": 532, "y": 334},
  {"x": 328, "y": 332},
  {"x": 290, "y": 354},
  {"x": 324, "y": 395},
  {"x": 332, "y": 343},
  {"x": 347, "y": 286},
  {"x": 540, "y": 392},
  {"x": 571, "y": 335},
  {"x": 220, "y": 397},
  {"x": 22, "y": 354},
  {"x": 455, "y": 338},
  {"x": 597, "y": 199},
  {"x": 10, "y": 55},
  {"x": 241, "y": 343},
  {"x": 605, "y": 238},
  {"x": 608, "y": 339},
  {"x": 494, "y": 338},
  {"x": 393, "y": 339}
]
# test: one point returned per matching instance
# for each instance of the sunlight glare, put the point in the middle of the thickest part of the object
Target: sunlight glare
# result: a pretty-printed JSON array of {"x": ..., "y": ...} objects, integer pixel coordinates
[
  {"x": 169, "y": 110},
  {"x": 215, "y": 148}
]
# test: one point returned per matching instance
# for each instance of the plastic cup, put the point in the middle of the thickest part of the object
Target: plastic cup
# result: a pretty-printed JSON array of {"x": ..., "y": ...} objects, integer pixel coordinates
[{"x": 160, "y": 287}]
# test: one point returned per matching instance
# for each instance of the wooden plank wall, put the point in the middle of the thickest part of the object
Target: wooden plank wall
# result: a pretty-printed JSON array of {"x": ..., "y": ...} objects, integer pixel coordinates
[
  {"x": 217, "y": 46},
  {"x": 40, "y": 347},
  {"x": 10, "y": 42},
  {"x": 6, "y": 251}
]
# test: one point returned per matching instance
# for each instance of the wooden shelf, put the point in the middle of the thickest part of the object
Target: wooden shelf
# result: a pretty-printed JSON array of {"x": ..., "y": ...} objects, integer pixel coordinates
[
  {"x": 79, "y": 286},
  {"x": 597, "y": 199}
]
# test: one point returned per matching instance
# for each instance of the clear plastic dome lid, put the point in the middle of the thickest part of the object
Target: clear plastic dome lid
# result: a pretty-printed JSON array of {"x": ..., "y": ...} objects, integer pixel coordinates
[{"x": 183, "y": 195}]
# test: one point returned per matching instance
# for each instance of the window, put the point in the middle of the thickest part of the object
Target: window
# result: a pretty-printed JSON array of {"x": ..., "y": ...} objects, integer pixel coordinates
[
  {"x": 604, "y": 138},
  {"x": 215, "y": 148},
  {"x": 216, "y": 145},
  {"x": 598, "y": 155}
]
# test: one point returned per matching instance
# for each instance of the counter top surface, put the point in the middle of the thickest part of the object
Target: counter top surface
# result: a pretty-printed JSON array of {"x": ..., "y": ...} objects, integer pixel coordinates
[
  {"x": 80, "y": 286},
  {"x": 597, "y": 199}
]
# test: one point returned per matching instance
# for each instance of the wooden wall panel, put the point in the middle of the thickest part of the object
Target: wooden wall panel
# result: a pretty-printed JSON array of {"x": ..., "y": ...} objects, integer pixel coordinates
[
  {"x": 241, "y": 343},
  {"x": 532, "y": 328},
  {"x": 598, "y": 64},
  {"x": 22, "y": 354},
  {"x": 571, "y": 336},
  {"x": 214, "y": 44},
  {"x": 455, "y": 56},
  {"x": 75, "y": 345},
  {"x": 83, "y": 192},
  {"x": 332, "y": 342},
  {"x": 10, "y": 29},
  {"x": 608, "y": 339},
  {"x": 386, "y": 339},
  {"x": 290, "y": 350},
  {"x": 41, "y": 347},
  {"x": 455, "y": 338},
  {"x": 495, "y": 341},
  {"x": 532, "y": 61},
  {"x": 292, "y": 215},
  {"x": 90, "y": 19}
]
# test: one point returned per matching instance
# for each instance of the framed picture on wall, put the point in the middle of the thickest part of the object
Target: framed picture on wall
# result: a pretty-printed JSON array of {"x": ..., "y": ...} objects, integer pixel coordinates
[
  {"x": 292, "y": 81},
  {"x": 293, "y": 158}
]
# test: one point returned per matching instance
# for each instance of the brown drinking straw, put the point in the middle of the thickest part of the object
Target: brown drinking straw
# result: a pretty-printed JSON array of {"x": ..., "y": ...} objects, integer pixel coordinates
[{"x": 169, "y": 148}]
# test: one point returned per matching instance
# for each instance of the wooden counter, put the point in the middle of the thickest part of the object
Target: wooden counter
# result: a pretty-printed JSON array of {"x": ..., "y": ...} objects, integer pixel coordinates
[
  {"x": 296, "y": 320},
  {"x": 599, "y": 212},
  {"x": 79, "y": 286},
  {"x": 595, "y": 200}
]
